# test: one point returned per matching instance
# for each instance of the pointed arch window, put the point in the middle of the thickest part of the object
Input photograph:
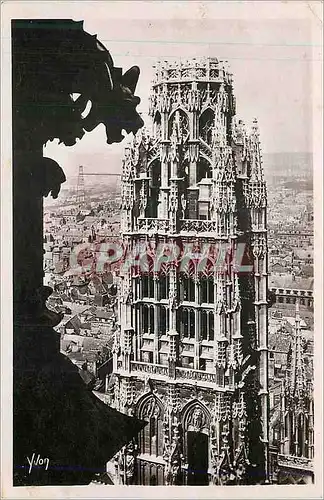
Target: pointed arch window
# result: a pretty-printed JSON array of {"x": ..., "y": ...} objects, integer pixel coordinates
[
  {"x": 203, "y": 169},
  {"x": 154, "y": 186},
  {"x": 184, "y": 172},
  {"x": 157, "y": 130},
  {"x": 300, "y": 435},
  {"x": 207, "y": 290},
  {"x": 148, "y": 318},
  {"x": 136, "y": 288},
  {"x": 155, "y": 172},
  {"x": 147, "y": 286},
  {"x": 151, "y": 437},
  {"x": 207, "y": 325},
  {"x": 145, "y": 318},
  {"x": 163, "y": 286},
  {"x": 196, "y": 429},
  {"x": 164, "y": 320},
  {"x": 179, "y": 120},
  {"x": 151, "y": 321},
  {"x": 206, "y": 124},
  {"x": 187, "y": 322},
  {"x": 188, "y": 289}
]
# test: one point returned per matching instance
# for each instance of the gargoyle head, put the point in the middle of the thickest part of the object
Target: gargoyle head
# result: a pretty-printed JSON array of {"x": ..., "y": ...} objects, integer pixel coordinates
[
  {"x": 117, "y": 109},
  {"x": 53, "y": 61},
  {"x": 49, "y": 176}
]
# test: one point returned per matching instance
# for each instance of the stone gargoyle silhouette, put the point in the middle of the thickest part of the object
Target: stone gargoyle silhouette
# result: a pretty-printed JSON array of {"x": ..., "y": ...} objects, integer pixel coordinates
[
  {"x": 58, "y": 71},
  {"x": 54, "y": 61}
]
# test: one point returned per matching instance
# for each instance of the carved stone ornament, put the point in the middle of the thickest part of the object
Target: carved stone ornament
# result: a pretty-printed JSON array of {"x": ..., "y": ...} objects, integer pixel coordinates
[
  {"x": 240, "y": 465},
  {"x": 173, "y": 467},
  {"x": 225, "y": 472},
  {"x": 151, "y": 409},
  {"x": 197, "y": 420},
  {"x": 126, "y": 461}
]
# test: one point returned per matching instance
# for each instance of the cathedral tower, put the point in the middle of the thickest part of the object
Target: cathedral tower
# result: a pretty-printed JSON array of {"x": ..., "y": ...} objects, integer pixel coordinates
[{"x": 190, "y": 356}]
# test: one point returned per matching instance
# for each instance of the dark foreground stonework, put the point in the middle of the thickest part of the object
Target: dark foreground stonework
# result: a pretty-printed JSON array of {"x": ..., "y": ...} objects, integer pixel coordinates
[{"x": 56, "y": 417}]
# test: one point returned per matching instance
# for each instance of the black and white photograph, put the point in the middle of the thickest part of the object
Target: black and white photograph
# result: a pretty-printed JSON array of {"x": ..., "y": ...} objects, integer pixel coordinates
[{"x": 161, "y": 241}]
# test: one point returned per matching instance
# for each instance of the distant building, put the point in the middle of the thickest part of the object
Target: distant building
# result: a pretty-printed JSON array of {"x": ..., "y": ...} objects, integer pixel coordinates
[{"x": 288, "y": 288}]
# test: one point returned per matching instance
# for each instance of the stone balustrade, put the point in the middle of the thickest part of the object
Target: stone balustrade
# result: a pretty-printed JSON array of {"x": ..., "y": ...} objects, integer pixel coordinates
[
  {"x": 183, "y": 375},
  {"x": 155, "y": 225},
  {"x": 152, "y": 369},
  {"x": 196, "y": 375},
  {"x": 198, "y": 226},
  {"x": 296, "y": 462}
]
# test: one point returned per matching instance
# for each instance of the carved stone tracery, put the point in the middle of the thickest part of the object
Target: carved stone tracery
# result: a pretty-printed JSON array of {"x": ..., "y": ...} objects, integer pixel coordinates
[{"x": 210, "y": 185}]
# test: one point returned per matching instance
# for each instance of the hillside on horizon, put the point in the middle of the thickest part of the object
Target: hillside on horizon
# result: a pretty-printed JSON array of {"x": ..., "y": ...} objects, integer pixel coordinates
[
  {"x": 288, "y": 166},
  {"x": 274, "y": 164}
]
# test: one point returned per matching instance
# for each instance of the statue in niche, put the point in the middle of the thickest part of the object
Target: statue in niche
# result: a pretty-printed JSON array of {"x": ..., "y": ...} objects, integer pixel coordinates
[
  {"x": 130, "y": 458},
  {"x": 222, "y": 98},
  {"x": 197, "y": 420},
  {"x": 183, "y": 203},
  {"x": 151, "y": 409}
]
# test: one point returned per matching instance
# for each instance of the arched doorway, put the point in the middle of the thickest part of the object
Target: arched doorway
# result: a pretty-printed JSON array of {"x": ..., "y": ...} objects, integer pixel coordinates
[
  {"x": 150, "y": 441},
  {"x": 196, "y": 423},
  {"x": 197, "y": 452}
]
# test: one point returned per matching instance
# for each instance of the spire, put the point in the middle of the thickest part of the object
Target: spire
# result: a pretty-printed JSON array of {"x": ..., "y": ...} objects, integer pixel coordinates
[
  {"x": 256, "y": 173},
  {"x": 224, "y": 169},
  {"x": 218, "y": 131},
  {"x": 297, "y": 362},
  {"x": 255, "y": 128},
  {"x": 297, "y": 315},
  {"x": 239, "y": 131},
  {"x": 127, "y": 164}
]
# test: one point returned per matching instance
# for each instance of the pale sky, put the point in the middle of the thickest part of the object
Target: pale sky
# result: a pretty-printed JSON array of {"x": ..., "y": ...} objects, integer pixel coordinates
[{"x": 270, "y": 61}]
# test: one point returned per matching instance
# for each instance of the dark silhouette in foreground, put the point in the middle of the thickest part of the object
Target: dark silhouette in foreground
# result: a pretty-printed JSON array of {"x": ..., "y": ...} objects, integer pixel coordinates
[{"x": 55, "y": 415}]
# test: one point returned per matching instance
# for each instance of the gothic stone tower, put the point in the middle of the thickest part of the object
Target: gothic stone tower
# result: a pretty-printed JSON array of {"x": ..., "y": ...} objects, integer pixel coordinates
[
  {"x": 190, "y": 356},
  {"x": 295, "y": 426}
]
